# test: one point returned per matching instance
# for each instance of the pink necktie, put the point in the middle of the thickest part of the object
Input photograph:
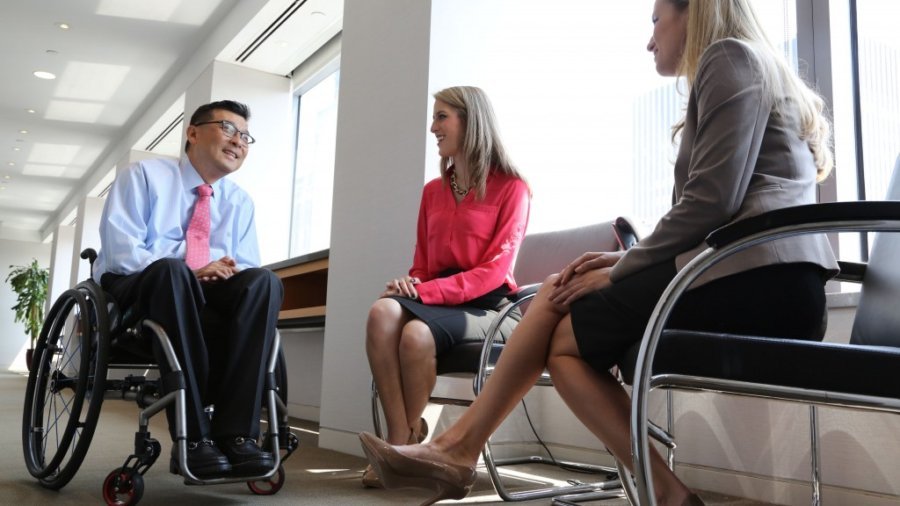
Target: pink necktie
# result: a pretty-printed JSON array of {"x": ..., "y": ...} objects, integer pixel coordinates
[{"x": 197, "y": 236}]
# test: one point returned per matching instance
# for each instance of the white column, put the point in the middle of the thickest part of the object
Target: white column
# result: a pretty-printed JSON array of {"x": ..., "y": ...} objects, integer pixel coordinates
[
  {"x": 87, "y": 235},
  {"x": 61, "y": 261},
  {"x": 267, "y": 173},
  {"x": 380, "y": 166}
]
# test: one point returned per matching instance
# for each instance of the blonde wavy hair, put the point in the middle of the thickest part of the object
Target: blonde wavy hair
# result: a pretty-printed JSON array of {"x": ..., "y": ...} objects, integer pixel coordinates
[
  {"x": 712, "y": 20},
  {"x": 481, "y": 146}
]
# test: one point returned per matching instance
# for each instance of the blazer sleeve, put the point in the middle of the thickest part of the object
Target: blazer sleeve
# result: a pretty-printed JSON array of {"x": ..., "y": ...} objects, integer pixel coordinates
[
  {"x": 732, "y": 113},
  {"x": 497, "y": 259}
]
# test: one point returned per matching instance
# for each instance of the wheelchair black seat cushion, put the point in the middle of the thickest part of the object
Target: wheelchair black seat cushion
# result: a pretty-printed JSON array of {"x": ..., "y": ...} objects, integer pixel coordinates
[{"x": 126, "y": 345}]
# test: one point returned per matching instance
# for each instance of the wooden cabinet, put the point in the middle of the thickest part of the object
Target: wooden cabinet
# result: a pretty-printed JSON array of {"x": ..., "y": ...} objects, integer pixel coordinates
[{"x": 305, "y": 280}]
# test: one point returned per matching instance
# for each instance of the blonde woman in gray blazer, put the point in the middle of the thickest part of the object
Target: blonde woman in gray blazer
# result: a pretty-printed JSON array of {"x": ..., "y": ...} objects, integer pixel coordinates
[{"x": 753, "y": 138}]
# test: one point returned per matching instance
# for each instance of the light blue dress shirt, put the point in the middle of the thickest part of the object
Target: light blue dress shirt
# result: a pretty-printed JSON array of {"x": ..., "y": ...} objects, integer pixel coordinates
[{"x": 148, "y": 209}]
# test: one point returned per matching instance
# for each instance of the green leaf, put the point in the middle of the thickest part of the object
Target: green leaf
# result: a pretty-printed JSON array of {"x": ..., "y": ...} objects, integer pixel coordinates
[{"x": 30, "y": 283}]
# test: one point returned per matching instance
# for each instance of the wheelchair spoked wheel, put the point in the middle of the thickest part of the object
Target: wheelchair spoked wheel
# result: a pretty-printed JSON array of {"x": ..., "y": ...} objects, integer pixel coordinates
[
  {"x": 66, "y": 386},
  {"x": 123, "y": 487},
  {"x": 270, "y": 486}
]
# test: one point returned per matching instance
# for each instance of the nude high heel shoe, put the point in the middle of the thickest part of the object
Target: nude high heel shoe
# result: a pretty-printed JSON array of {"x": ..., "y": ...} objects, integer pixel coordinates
[
  {"x": 447, "y": 481},
  {"x": 370, "y": 477}
]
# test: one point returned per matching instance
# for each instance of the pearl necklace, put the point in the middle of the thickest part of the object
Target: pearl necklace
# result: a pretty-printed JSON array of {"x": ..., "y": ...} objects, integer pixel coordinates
[{"x": 459, "y": 191}]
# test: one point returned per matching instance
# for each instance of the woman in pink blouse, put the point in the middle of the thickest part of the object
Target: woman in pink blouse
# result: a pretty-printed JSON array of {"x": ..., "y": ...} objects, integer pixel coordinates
[{"x": 471, "y": 222}]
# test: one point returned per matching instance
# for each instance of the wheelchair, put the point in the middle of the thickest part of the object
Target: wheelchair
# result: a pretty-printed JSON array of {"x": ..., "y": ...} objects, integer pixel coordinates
[{"x": 84, "y": 337}]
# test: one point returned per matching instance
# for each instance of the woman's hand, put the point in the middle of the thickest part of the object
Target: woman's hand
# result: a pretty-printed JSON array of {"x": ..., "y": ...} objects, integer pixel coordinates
[
  {"x": 580, "y": 284},
  {"x": 586, "y": 262},
  {"x": 404, "y": 287}
]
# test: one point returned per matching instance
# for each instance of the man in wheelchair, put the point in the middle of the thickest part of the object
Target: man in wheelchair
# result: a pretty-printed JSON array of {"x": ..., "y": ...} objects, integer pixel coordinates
[{"x": 178, "y": 245}]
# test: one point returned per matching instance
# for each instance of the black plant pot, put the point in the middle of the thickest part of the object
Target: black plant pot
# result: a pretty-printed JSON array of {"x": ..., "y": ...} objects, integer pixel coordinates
[{"x": 29, "y": 355}]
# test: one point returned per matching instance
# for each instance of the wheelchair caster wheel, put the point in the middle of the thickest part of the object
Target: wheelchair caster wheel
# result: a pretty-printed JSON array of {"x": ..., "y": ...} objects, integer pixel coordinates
[
  {"x": 123, "y": 487},
  {"x": 270, "y": 486}
]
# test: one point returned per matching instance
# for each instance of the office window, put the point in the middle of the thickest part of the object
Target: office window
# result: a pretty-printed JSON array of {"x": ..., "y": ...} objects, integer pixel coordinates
[
  {"x": 314, "y": 166},
  {"x": 865, "y": 68},
  {"x": 878, "y": 57},
  {"x": 583, "y": 111}
]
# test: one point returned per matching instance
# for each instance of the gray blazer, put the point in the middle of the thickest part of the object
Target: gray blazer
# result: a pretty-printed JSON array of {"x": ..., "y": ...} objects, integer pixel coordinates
[{"x": 736, "y": 159}]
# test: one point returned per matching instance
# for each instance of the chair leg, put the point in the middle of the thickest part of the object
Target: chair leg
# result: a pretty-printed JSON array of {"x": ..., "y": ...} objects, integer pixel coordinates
[
  {"x": 814, "y": 454},
  {"x": 670, "y": 427},
  {"x": 609, "y": 488},
  {"x": 376, "y": 412}
]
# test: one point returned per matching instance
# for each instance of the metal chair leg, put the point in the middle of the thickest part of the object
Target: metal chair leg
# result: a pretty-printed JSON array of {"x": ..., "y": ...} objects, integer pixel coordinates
[{"x": 814, "y": 454}]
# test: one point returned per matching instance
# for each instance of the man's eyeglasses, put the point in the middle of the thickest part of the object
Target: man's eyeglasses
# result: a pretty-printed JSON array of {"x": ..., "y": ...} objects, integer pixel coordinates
[{"x": 230, "y": 129}]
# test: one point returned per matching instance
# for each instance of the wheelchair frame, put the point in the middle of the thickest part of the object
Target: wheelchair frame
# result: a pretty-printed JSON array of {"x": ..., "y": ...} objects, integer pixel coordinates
[{"x": 68, "y": 383}]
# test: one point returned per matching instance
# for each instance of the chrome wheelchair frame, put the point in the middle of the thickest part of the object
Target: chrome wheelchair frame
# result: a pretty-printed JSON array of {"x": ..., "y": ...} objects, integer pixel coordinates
[{"x": 83, "y": 337}]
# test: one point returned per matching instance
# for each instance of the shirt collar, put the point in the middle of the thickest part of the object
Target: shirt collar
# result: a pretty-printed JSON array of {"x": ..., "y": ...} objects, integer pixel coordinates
[{"x": 191, "y": 178}]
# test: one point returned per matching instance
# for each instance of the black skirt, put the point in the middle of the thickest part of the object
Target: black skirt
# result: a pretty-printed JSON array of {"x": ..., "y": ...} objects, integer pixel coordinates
[{"x": 451, "y": 325}]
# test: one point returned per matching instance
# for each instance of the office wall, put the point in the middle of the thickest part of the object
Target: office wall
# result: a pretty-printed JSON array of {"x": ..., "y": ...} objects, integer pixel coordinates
[{"x": 13, "y": 338}]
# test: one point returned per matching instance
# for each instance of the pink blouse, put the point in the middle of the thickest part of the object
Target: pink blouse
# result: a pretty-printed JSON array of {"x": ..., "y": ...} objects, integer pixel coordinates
[{"x": 478, "y": 237}]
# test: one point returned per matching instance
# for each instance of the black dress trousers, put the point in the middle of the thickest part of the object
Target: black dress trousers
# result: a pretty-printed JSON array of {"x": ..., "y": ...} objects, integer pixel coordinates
[{"x": 222, "y": 333}]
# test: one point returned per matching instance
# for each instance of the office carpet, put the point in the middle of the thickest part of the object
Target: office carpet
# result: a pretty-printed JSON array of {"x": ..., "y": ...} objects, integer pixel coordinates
[{"x": 314, "y": 476}]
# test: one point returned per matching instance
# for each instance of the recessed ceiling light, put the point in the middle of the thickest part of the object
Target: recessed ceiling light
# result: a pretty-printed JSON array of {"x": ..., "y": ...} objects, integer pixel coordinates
[
  {"x": 11, "y": 164},
  {"x": 43, "y": 74},
  {"x": 316, "y": 13},
  {"x": 30, "y": 111},
  {"x": 62, "y": 26},
  {"x": 7, "y": 177},
  {"x": 23, "y": 131},
  {"x": 17, "y": 148}
]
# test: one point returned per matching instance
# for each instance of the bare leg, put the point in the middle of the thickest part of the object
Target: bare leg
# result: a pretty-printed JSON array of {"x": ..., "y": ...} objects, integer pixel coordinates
[
  {"x": 418, "y": 369},
  {"x": 604, "y": 407},
  {"x": 520, "y": 364},
  {"x": 383, "y": 330}
]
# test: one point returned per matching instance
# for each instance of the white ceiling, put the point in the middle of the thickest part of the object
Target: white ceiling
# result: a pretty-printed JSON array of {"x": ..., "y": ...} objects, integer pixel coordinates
[{"x": 117, "y": 59}]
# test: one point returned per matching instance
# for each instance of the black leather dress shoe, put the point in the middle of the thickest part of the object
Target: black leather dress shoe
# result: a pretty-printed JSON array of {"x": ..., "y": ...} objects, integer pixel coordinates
[
  {"x": 246, "y": 458},
  {"x": 204, "y": 460}
]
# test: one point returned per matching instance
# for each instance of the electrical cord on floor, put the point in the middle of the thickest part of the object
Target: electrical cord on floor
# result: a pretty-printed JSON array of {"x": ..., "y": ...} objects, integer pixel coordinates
[{"x": 561, "y": 465}]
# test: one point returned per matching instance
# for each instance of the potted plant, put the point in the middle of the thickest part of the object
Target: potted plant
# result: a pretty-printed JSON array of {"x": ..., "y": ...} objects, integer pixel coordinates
[{"x": 30, "y": 284}]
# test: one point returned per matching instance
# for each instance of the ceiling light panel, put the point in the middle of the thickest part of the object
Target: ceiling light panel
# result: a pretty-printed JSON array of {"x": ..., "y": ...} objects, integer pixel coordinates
[
  {"x": 58, "y": 154},
  {"x": 79, "y": 112},
  {"x": 91, "y": 81},
  {"x": 43, "y": 170},
  {"x": 172, "y": 11}
]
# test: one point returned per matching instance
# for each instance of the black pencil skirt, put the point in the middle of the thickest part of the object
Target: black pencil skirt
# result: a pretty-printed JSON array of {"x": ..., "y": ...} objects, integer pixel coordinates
[{"x": 451, "y": 325}]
